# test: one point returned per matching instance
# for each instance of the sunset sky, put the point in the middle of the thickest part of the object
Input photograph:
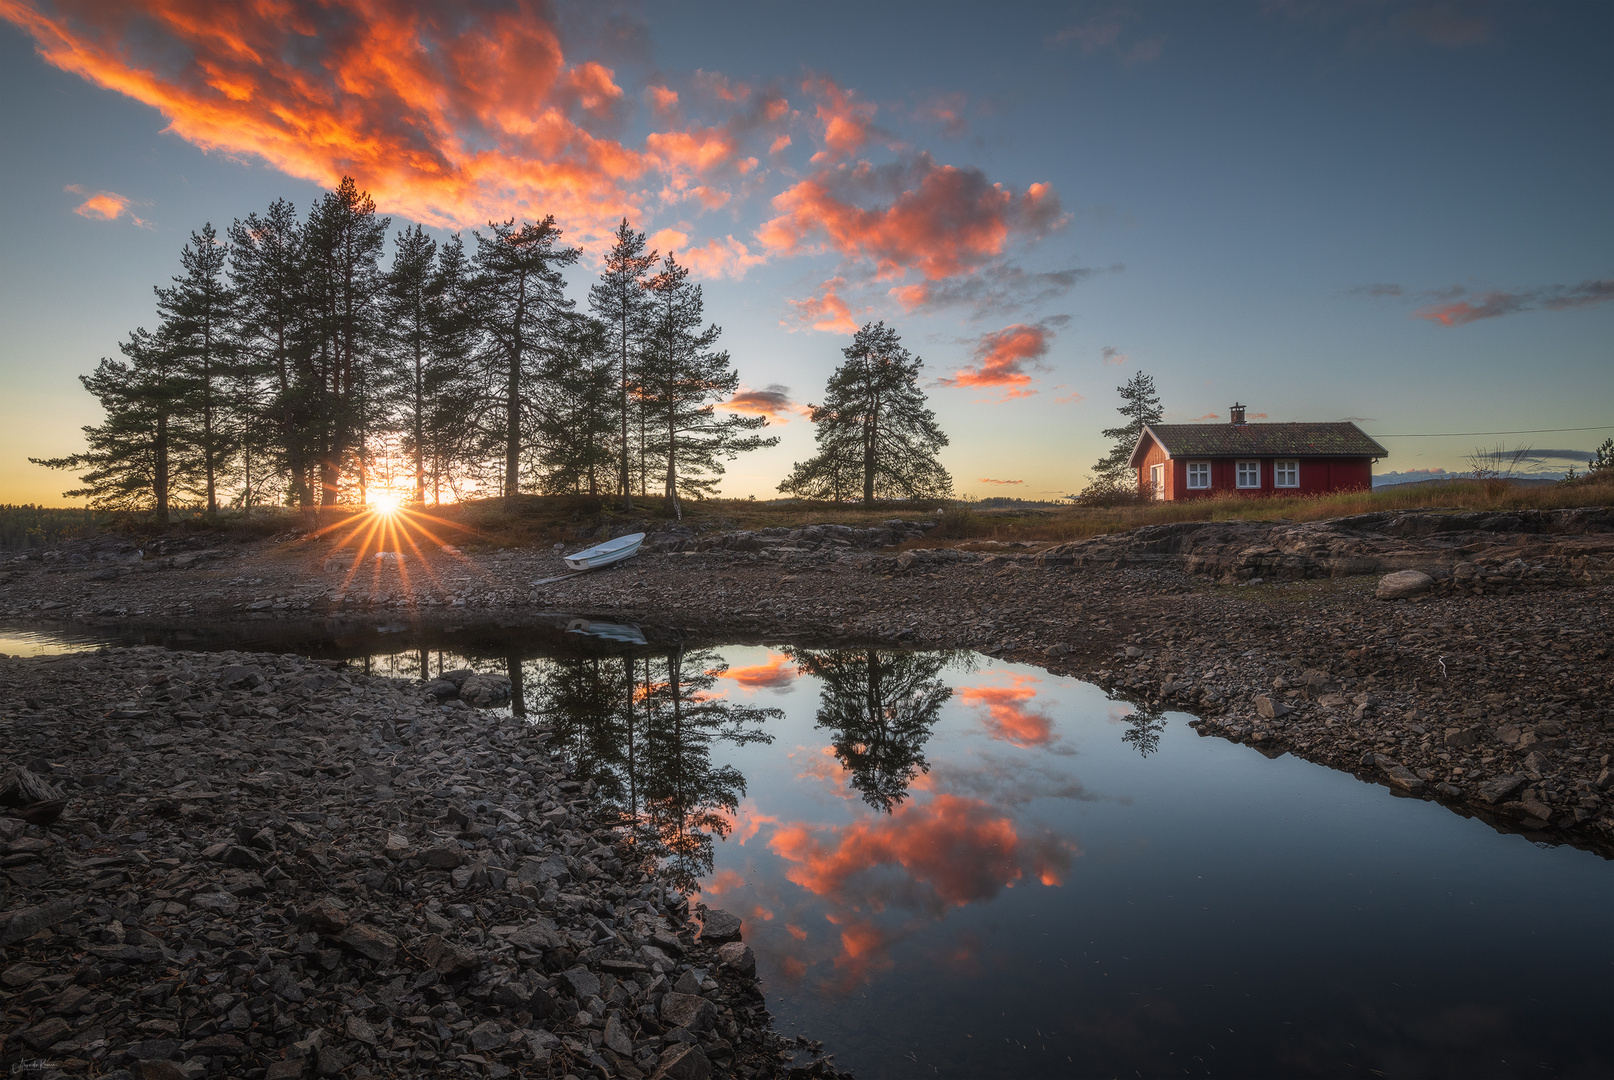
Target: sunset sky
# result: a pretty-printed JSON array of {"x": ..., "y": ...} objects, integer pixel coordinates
[{"x": 1396, "y": 213}]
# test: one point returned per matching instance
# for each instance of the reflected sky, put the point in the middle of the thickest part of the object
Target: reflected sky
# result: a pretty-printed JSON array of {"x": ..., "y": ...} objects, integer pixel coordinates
[{"x": 952, "y": 866}]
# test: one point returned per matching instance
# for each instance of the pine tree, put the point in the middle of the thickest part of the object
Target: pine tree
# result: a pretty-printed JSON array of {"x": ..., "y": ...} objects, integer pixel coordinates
[
  {"x": 452, "y": 391},
  {"x": 621, "y": 301},
  {"x": 1140, "y": 406},
  {"x": 520, "y": 291},
  {"x": 873, "y": 429},
  {"x": 198, "y": 311},
  {"x": 407, "y": 303},
  {"x": 684, "y": 378},
  {"x": 143, "y": 453},
  {"x": 271, "y": 327},
  {"x": 576, "y": 413},
  {"x": 344, "y": 239}
]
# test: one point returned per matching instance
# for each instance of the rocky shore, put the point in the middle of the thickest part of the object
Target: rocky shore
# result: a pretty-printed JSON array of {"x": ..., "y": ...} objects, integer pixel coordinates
[
  {"x": 249, "y": 865},
  {"x": 1456, "y": 656}
]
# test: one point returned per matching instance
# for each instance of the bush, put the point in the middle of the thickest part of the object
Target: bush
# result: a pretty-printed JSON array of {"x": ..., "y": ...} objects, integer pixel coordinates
[{"x": 1111, "y": 491}]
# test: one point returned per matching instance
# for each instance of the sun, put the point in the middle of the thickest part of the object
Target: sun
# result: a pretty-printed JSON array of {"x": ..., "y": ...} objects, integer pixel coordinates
[{"x": 386, "y": 504}]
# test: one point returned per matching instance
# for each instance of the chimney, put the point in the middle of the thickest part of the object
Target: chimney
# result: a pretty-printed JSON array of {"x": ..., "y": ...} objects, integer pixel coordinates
[{"x": 1236, "y": 413}]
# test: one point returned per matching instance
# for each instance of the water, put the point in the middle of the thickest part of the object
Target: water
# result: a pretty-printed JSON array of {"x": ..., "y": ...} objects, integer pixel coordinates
[{"x": 952, "y": 866}]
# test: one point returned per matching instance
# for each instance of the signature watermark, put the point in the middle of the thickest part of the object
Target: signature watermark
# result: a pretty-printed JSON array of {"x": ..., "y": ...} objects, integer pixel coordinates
[{"x": 36, "y": 1065}]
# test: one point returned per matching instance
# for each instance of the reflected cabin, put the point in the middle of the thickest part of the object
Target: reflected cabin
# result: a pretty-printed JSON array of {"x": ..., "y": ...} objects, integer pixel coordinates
[{"x": 1188, "y": 461}]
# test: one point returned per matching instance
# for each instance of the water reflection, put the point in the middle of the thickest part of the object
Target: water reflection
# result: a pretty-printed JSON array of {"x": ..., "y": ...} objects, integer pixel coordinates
[{"x": 880, "y": 707}]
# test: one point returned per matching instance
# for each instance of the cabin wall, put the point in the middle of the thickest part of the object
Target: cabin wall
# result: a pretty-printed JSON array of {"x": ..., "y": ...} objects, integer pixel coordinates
[
  {"x": 1153, "y": 457},
  {"x": 1318, "y": 476}
]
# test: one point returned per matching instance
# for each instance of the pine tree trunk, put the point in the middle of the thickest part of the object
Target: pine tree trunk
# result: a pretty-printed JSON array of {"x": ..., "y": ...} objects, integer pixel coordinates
[
  {"x": 672, "y": 465},
  {"x": 160, "y": 468},
  {"x": 420, "y": 428},
  {"x": 512, "y": 429},
  {"x": 627, "y": 484}
]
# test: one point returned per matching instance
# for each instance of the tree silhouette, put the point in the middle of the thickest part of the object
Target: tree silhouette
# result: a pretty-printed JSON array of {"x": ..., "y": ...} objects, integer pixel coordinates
[
  {"x": 881, "y": 705},
  {"x": 1143, "y": 729}
]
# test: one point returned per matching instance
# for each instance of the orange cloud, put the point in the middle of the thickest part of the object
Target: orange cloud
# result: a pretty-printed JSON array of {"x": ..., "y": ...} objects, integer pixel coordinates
[
  {"x": 1007, "y": 717},
  {"x": 104, "y": 206},
  {"x": 937, "y": 219},
  {"x": 796, "y": 932},
  {"x": 450, "y": 114},
  {"x": 846, "y": 120},
  {"x": 779, "y": 670},
  {"x": 663, "y": 100},
  {"x": 779, "y": 144},
  {"x": 949, "y": 851},
  {"x": 1001, "y": 359},
  {"x": 984, "y": 480},
  {"x": 774, "y": 403},
  {"x": 723, "y": 257},
  {"x": 724, "y": 881},
  {"x": 826, "y": 311}
]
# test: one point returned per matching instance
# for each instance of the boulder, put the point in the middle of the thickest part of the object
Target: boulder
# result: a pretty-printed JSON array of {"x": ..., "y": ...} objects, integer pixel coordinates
[
  {"x": 738, "y": 956},
  {"x": 1403, "y": 583},
  {"x": 719, "y": 926},
  {"x": 689, "y": 1011}
]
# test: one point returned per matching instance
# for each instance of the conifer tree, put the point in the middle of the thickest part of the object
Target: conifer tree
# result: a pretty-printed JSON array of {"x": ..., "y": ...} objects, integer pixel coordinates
[
  {"x": 343, "y": 243},
  {"x": 197, "y": 310},
  {"x": 621, "y": 301},
  {"x": 873, "y": 430},
  {"x": 1140, "y": 405},
  {"x": 271, "y": 333},
  {"x": 684, "y": 378},
  {"x": 407, "y": 303},
  {"x": 519, "y": 288},
  {"x": 576, "y": 414},
  {"x": 143, "y": 453},
  {"x": 451, "y": 386}
]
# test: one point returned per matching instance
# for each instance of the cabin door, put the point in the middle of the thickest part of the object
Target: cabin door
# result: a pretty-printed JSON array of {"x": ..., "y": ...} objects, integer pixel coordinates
[{"x": 1157, "y": 481}]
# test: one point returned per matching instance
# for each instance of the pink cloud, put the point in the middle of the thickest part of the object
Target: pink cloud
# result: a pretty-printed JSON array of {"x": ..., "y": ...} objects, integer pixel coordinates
[
  {"x": 846, "y": 120},
  {"x": 1001, "y": 358},
  {"x": 104, "y": 206},
  {"x": 827, "y": 311}
]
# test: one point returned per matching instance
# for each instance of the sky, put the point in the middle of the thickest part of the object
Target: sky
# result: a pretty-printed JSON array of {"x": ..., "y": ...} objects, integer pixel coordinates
[{"x": 1396, "y": 213}]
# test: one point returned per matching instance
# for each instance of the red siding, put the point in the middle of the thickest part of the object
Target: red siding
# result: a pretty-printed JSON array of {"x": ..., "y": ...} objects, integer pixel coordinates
[{"x": 1318, "y": 476}]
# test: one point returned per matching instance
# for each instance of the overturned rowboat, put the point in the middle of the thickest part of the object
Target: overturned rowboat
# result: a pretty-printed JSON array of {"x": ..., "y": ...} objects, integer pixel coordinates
[{"x": 612, "y": 551}]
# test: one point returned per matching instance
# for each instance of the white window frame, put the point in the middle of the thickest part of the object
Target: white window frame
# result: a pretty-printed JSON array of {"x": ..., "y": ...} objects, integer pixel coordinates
[
  {"x": 1200, "y": 470},
  {"x": 1157, "y": 480},
  {"x": 1286, "y": 467},
  {"x": 1239, "y": 469}
]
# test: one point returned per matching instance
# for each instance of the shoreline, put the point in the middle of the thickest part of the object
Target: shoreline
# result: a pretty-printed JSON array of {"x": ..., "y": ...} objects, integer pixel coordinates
[{"x": 269, "y": 868}]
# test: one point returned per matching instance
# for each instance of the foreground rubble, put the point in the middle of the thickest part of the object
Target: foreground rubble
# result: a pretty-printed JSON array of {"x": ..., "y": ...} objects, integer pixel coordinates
[{"x": 258, "y": 866}]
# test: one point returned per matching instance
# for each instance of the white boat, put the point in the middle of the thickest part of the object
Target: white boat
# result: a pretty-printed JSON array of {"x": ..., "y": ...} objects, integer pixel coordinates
[
  {"x": 623, "y": 547},
  {"x": 622, "y": 632}
]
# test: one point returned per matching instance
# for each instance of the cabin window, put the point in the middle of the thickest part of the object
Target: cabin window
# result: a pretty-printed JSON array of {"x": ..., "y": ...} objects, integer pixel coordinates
[
  {"x": 1199, "y": 475},
  {"x": 1157, "y": 480},
  {"x": 1286, "y": 474},
  {"x": 1249, "y": 474}
]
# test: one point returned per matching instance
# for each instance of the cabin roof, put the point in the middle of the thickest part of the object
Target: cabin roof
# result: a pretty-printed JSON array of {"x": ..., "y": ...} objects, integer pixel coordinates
[{"x": 1335, "y": 438}]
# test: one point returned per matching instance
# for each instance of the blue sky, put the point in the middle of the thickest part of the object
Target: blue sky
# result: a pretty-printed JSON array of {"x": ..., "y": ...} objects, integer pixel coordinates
[{"x": 1396, "y": 212}]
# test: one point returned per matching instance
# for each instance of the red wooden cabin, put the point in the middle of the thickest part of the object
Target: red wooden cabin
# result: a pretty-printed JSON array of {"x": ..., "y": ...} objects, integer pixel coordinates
[{"x": 1190, "y": 461}]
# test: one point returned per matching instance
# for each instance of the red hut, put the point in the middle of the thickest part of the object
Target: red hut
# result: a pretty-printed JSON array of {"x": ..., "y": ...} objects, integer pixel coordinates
[{"x": 1188, "y": 461}]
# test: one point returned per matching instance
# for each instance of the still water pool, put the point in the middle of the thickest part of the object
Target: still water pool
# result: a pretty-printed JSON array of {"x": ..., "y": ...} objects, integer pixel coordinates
[{"x": 951, "y": 866}]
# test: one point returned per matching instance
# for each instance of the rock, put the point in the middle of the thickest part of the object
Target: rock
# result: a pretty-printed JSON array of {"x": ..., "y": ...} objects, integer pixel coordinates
[
  {"x": 331, "y": 1061},
  {"x": 240, "y": 677},
  {"x": 28, "y": 921},
  {"x": 580, "y": 982},
  {"x": 1268, "y": 709},
  {"x": 1457, "y": 738},
  {"x": 738, "y": 956},
  {"x": 370, "y": 942},
  {"x": 445, "y": 857},
  {"x": 21, "y": 787},
  {"x": 1404, "y": 779},
  {"x": 327, "y": 918},
  {"x": 162, "y": 1070},
  {"x": 485, "y": 691},
  {"x": 1536, "y": 764},
  {"x": 719, "y": 926},
  {"x": 48, "y": 1033},
  {"x": 682, "y": 1061},
  {"x": 1403, "y": 583},
  {"x": 219, "y": 1046},
  {"x": 221, "y": 902},
  {"x": 1500, "y": 789},
  {"x": 487, "y": 1035},
  {"x": 687, "y": 1011},
  {"x": 616, "y": 1036},
  {"x": 289, "y": 1069}
]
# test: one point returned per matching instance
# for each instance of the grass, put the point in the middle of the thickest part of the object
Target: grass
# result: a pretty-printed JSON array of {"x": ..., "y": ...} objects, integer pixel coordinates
[{"x": 533, "y": 520}]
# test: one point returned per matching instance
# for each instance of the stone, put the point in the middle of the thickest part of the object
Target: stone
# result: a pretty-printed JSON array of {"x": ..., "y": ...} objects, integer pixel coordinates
[
  {"x": 288, "y": 1069},
  {"x": 47, "y": 1034},
  {"x": 682, "y": 1061},
  {"x": 617, "y": 1037},
  {"x": 535, "y": 935},
  {"x": 1404, "y": 779},
  {"x": 1535, "y": 764},
  {"x": 327, "y": 918},
  {"x": 370, "y": 942},
  {"x": 162, "y": 1070},
  {"x": 222, "y": 902},
  {"x": 240, "y": 677},
  {"x": 1498, "y": 790},
  {"x": 1402, "y": 584},
  {"x": 719, "y": 926},
  {"x": 219, "y": 1046},
  {"x": 687, "y": 1011},
  {"x": 739, "y": 957},
  {"x": 331, "y": 1061},
  {"x": 1457, "y": 738},
  {"x": 443, "y": 857},
  {"x": 580, "y": 982},
  {"x": 487, "y": 1035},
  {"x": 30, "y": 920},
  {"x": 485, "y": 691},
  {"x": 1268, "y": 709}
]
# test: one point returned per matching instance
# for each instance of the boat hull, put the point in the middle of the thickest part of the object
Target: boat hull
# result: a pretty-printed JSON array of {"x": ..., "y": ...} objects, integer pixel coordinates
[{"x": 612, "y": 551}]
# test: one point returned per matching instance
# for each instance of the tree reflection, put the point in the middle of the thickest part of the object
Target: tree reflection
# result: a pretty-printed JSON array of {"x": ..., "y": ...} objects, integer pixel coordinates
[
  {"x": 642, "y": 728},
  {"x": 1143, "y": 728},
  {"x": 881, "y": 706}
]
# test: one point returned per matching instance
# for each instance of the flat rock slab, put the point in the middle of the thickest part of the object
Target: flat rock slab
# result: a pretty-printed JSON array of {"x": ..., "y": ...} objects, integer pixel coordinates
[{"x": 1402, "y": 584}]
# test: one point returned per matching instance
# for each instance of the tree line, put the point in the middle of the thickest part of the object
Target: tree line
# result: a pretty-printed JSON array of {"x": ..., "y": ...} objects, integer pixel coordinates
[{"x": 288, "y": 366}]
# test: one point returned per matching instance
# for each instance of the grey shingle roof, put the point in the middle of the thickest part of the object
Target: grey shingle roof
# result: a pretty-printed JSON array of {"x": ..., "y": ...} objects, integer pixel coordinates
[{"x": 1339, "y": 438}]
